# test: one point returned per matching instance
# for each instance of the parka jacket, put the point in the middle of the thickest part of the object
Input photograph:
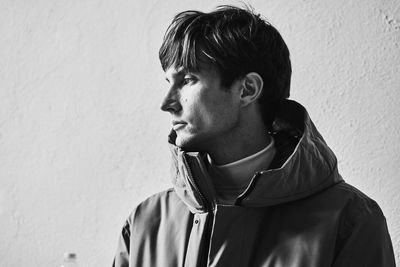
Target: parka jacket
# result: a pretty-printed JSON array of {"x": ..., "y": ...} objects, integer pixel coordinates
[{"x": 298, "y": 213}]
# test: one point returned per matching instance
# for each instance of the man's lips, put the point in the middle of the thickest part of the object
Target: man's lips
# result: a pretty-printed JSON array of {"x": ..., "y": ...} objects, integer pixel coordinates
[{"x": 177, "y": 124}]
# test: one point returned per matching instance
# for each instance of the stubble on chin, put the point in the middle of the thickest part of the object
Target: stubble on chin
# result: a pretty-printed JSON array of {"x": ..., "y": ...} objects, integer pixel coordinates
[
  {"x": 188, "y": 143},
  {"x": 183, "y": 143}
]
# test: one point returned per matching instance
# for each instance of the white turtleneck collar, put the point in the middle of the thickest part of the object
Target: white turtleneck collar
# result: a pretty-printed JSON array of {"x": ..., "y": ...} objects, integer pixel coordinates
[{"x": 231, "y": 179}]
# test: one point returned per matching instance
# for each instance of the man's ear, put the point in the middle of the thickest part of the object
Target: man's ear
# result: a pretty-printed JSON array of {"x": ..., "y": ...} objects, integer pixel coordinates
[{"x": 252, "y": 86}]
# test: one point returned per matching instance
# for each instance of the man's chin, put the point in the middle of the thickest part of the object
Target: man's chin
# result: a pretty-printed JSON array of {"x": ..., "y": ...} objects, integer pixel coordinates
[{"x": 187, "y": 144}]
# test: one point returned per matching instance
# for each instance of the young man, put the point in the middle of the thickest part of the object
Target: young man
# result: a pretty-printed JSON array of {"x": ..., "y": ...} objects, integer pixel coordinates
[{"x": 254, "y": 182}]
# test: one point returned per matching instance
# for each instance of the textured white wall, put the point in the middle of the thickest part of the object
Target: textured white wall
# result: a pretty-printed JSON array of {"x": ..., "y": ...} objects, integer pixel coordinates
[{"x": 82, "y": 140}]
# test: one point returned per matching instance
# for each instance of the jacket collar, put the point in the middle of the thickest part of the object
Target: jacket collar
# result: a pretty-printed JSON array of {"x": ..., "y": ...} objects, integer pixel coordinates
[{"x": 302, "y": 166}]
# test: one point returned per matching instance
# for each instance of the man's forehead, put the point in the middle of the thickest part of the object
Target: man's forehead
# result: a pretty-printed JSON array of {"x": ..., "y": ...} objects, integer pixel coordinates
[{"x": 175, "y": 71}]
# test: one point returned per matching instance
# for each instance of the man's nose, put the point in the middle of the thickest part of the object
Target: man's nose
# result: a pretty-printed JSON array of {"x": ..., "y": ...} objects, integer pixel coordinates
[{"x": 170, "y": 102}]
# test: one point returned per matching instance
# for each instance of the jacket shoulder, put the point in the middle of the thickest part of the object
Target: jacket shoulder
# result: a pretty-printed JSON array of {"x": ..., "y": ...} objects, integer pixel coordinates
[
  {"x": 357, "y": 204},
  {"x": 142, "y": 221},
  {"x": 156, "y": 207},
  {"x": 363, "y": 237},
  {"x": 358, "y": 211}
]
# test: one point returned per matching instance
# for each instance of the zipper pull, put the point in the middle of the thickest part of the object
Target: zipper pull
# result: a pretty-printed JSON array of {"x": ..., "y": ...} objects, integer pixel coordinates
[{"x": 248, "y": 190}]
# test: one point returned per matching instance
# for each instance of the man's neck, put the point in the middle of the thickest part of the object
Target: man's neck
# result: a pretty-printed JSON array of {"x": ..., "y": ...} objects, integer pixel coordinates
[{"x": 230, "y": 151}]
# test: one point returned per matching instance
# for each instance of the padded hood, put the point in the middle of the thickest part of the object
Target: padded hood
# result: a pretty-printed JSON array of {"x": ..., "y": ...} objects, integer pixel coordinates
[{"x": 303, "y": 165}]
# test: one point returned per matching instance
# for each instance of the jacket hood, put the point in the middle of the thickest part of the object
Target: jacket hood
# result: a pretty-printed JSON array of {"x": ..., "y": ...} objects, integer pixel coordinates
[{"x": 303, "y": 165}]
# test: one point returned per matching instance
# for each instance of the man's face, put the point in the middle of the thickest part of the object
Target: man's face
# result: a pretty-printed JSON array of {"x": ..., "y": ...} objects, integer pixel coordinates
[{"x": 204, "y": 114}]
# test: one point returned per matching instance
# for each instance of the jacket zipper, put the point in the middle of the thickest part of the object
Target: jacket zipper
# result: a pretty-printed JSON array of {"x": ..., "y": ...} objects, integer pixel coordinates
[
  {"x": 196, "y": 185},
  {"x": 209, "y": 222}
]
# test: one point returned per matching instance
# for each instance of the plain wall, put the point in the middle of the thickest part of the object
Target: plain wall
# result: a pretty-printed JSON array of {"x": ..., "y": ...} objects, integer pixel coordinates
[{"x": 82, "y": 139}]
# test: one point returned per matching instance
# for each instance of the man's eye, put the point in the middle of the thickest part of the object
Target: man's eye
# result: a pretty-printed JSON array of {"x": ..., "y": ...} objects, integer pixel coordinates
[{"x": 188, "y": 80}]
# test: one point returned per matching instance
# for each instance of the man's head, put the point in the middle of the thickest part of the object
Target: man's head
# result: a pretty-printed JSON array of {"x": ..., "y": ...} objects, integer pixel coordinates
[{"x": 231, "y": 43}]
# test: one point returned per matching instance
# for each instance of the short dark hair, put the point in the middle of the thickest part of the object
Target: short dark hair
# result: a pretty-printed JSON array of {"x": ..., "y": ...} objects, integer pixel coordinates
[{"x": 235, "y": 41}]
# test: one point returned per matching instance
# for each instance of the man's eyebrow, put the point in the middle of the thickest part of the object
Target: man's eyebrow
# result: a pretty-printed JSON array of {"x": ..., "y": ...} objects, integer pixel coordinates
[{"x": 178, "y": 74}]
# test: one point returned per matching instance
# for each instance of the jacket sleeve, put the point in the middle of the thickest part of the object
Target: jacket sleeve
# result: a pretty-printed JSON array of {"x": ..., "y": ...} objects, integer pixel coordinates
[
  {"x": 121, "y": 258},
  {"x": 365, "y": 242}
]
